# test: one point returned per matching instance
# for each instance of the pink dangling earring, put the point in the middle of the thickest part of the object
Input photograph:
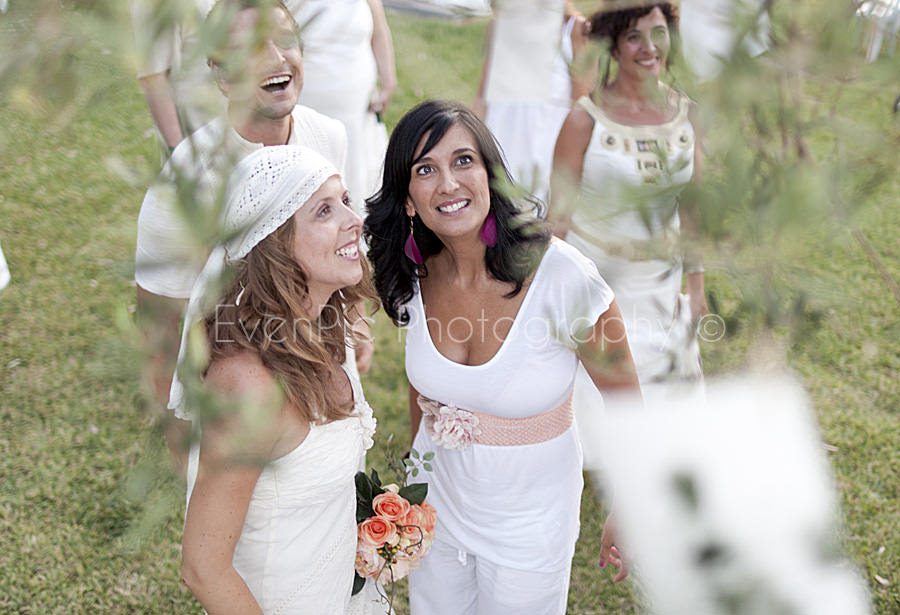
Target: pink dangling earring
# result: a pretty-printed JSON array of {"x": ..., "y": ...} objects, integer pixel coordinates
[
  {"x": 410, "y": 248},
  {"x": 489, "y": 231}
]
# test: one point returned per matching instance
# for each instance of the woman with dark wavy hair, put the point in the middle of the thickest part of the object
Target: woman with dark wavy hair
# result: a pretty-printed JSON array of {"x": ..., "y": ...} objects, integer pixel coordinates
[
  {"x": 498, "y": 316},
  {"x": 623, "y": 160}
]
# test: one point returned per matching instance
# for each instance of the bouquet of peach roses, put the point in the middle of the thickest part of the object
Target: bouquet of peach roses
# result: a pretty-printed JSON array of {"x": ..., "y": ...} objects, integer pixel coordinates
[{"x": 395, "y": 529}]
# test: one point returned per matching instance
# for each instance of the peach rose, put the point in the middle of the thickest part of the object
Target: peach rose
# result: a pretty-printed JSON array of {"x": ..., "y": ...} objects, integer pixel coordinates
[
  {"x": 412, "y": 526},
  {"x": 429, "y": 516},
  {"x": 375, "y": 531},
  {"x": 390, "y": 506}
]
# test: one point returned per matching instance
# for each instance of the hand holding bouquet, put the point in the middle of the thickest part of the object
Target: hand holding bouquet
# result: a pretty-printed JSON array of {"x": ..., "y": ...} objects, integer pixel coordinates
[{"x": 395, "y": 529}]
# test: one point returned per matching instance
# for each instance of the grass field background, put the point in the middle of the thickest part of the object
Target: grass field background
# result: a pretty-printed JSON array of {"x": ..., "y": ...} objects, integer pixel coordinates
[{"x": 90, "y": 519}]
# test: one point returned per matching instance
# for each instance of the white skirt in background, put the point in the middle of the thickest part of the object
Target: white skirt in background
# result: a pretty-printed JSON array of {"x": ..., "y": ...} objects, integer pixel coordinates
[{"x": 527, "y": 133}]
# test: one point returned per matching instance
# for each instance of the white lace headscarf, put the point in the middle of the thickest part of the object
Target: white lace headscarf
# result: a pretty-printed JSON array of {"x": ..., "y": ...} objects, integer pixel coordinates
[{"x": 266, "y": 188}]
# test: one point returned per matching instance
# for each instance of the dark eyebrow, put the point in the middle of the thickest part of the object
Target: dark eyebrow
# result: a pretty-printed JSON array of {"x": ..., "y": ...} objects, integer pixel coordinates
[{"x": 428, "y": 159}]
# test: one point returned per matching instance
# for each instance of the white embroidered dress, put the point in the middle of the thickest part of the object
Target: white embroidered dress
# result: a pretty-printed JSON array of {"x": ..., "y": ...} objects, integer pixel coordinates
[
  {"x": 631, "y": 179},
  {"x": 298, "y": 545}
]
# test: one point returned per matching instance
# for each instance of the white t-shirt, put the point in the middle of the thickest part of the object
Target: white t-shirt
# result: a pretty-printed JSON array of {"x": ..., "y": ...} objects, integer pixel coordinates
[
  {"x": 175, "y": 49},
  {"x": 170, "y": 254},
  {"x": 516, "y": 506}
]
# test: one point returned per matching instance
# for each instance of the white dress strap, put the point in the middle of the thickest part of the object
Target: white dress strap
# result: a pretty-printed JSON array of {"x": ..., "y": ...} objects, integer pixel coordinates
[
  {"x": 565, "y": 41},
  {"x": 590, "y": 107},
  {"x": 355, "y": 384}
]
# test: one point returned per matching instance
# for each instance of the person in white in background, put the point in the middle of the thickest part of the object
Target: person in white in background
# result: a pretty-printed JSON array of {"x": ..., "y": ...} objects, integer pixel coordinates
[
  {"x": 349, "y": 63},
  {"x": 261, "y": 89},
  {"x": 172, "y": 71},
  {"x": 623, "y": 158},
  {"x": 4, "y": 271},
  {"x": 882, "y": 23},
  {"x": 528, "y": 85},
  {"x": 710, "y": 31}
]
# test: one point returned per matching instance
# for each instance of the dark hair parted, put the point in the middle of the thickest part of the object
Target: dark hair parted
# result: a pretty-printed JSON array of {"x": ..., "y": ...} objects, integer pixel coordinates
[
  {"x": 521, "y": 237},
  {"x": 608, "y": 25},
  {"x": 270, "y": 321}
]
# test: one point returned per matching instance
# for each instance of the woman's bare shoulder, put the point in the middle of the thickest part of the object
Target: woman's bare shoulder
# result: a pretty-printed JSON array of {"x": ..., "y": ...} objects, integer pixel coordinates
[
  {"x": 579, "y": 117},
  {"x": 241, "y": 373},
  {"x": 251, "y": 418}
]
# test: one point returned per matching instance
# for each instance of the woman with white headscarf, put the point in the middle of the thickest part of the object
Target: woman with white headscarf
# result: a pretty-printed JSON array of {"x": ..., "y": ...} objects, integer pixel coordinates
[{"x": 271, "y": 525}]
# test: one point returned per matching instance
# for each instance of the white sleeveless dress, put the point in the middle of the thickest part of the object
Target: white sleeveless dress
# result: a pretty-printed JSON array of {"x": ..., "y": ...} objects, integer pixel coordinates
[
  {"x": 339, "y": 79},
  {"x": 529, "y": 89},
  {"x": 298, "y": 544},
  {"x": 631, "y": 179}
]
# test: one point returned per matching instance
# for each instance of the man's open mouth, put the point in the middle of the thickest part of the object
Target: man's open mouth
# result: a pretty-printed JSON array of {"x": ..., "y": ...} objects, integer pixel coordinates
[{"x": 278, "y": 83}]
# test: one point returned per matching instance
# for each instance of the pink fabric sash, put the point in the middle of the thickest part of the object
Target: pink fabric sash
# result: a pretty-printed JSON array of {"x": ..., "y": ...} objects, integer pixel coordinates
[{"x": 458, "y": 428}]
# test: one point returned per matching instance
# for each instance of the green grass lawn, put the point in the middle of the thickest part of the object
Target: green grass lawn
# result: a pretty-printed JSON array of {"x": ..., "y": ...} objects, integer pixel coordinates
[{"x": 90, "y": 518}]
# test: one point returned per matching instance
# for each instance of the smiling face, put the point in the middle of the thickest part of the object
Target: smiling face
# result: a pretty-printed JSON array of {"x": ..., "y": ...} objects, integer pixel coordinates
[
  {"x": 449, "y": 186},
  {"x": 641, "y": 50},
  {"x": 263, "y": 71},
  {"x": 326, "y": 240}
]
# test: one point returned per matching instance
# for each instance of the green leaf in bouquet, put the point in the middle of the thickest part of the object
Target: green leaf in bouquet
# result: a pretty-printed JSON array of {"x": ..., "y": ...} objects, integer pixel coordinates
[
  {"x": 375, "y": 479},
  {"x": 363, "y": 487},
  {"x": 364, "y": 510},
  {"x": 364, "y": 495},
  {"x": 358, "y": 583},
  {"x": 415, "y": 493}
]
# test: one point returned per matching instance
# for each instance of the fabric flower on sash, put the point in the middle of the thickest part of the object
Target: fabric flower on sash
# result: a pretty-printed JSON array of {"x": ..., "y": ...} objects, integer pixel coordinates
[{"x": 449, "y": 426}]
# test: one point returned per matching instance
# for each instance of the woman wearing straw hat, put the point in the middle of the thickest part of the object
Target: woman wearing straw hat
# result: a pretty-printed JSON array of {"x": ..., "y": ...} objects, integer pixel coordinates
[{"x": 270, "y": 525}]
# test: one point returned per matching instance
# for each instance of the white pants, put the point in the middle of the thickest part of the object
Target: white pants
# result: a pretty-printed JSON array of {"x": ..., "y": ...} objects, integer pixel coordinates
[{"x": 452, "y": 582}]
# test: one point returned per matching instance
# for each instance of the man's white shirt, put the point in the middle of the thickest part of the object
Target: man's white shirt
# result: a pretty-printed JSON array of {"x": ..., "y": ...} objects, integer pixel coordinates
[{"x": 170, "y": 253}]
